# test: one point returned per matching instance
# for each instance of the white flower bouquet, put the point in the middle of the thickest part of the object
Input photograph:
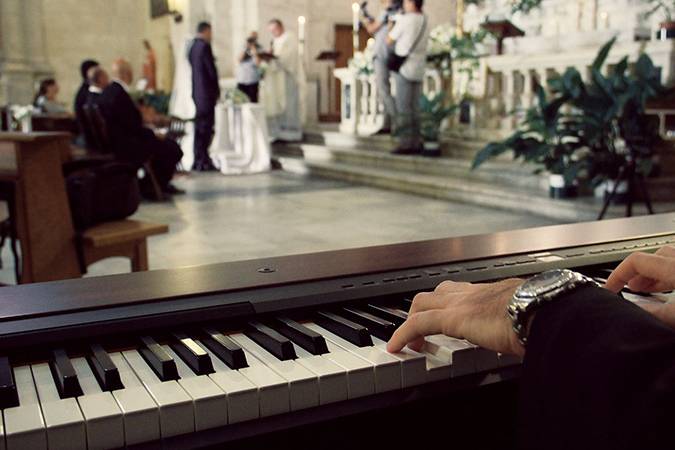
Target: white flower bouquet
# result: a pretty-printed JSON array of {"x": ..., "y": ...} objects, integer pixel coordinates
[{"x": 362, "y": 62}]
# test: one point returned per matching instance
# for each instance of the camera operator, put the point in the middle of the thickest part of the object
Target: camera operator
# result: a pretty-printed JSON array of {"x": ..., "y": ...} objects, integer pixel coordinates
[
  {"x": 379, "y": 28},
  {"x": 409, "y": 38},
  {"x": 248, "y": 73}
]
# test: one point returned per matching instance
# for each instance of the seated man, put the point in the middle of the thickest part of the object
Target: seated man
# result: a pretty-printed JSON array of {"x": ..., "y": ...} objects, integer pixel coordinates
[
  {"x": 599, "y": 371},
  {"x": 80, "y": 100},
  {"x": 131, "y": 141}
]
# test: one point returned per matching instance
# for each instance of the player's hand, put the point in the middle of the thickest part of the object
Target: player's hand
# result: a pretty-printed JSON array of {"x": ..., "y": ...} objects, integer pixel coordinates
[
  {"x": 476, "y": 312},
  {"x": 644, "y": 272}
]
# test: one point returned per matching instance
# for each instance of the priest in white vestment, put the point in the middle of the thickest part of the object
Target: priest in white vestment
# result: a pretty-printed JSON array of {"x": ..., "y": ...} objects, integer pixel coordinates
[{"x": 281, "y": 94}]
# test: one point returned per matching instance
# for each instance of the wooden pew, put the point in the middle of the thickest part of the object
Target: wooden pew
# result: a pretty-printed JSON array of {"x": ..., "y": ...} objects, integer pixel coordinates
[
  {"x": 31, "y": 168},
  {"x": 31, "y": 162}
]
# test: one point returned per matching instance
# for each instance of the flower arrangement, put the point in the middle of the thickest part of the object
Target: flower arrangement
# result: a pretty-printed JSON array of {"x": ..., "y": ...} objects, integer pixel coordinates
[
  {"x": 21, "y": 112},
  {"x": 234, "y": 96},
  {"x": 449, "y": 53},
  {"x": 522, "y": 6},
  {"x": 362, "y": 62},
  {"x": 664, "y": 6}
]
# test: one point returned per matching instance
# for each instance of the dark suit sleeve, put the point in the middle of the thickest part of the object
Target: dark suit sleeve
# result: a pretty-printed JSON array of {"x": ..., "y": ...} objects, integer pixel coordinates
[
  {"x": 599, "y": 373},
  {"x": 211, "y": 70}
]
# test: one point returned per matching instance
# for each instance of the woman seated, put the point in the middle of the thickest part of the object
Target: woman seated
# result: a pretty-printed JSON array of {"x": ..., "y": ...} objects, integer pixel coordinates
[{"x": 46, "y": 97}]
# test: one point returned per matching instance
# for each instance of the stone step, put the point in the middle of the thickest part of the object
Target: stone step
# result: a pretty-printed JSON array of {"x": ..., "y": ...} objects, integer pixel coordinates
[
  {"x": 452, "y": 145},
  {"x": 497, "y": 172},
  {"x": 457, "y": 190}
]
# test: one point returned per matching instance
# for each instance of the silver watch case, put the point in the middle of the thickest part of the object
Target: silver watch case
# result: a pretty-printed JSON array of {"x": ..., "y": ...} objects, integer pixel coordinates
[{"x": 540, "y": 289}]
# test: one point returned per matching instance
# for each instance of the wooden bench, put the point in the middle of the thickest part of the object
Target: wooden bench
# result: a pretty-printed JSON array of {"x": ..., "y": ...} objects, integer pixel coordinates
[{"x": 125, "y": 238}]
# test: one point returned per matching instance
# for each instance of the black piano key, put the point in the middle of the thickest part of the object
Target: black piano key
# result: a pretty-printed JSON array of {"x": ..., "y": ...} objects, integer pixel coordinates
[
  {"x": 224, "y": 348},
  {"x": 310, "y": 340},
  {"x": 64, "y": 375},
  {"x": 270, "y": 340},
  {"x": 193, "y": 354},
  {"x": 8, "y": 394},
  {"x": 345, "y": 328},
  {"x": 393, "y": 315},
  {"x": 407, "y": 304},
  {"x": 157, "y": 358},
  {"x": 381, "y": 328},
  {"x": 104, "y": 369}
]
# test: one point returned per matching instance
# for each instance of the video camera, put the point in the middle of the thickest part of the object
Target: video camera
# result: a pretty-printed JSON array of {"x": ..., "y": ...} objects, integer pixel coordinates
[{"x": 393, "y": 9}]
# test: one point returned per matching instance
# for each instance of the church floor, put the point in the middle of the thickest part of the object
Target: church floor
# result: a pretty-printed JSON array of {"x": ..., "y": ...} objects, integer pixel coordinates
[{"x": 246, "y": 217}]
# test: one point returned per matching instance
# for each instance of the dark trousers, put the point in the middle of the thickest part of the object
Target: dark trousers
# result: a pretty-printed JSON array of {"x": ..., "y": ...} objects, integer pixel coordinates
[
  {"x": 204, "y": 130},
  {"x": 164, "y": 160},
  {"x": 251, "y": 91}
]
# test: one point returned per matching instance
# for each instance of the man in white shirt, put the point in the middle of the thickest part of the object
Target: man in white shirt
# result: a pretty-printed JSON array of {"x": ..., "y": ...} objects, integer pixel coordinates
[
  {"x": 409, "y": 37},
  {"x": 380, "y": 28},
  {"x": 281, "y": 94}
]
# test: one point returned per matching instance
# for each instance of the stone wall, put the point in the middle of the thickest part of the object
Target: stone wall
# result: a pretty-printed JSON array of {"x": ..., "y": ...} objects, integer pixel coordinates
[{"x": 52, "y": 37}]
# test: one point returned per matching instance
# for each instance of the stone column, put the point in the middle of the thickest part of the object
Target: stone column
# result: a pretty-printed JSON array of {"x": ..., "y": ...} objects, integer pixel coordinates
[{"x": 22, "y": 50}]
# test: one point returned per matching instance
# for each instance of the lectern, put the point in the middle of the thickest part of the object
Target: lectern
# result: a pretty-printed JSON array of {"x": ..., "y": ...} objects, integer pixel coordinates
[
  {"x": 330, "y": 56},
  {"x": 501, "y": 30}
]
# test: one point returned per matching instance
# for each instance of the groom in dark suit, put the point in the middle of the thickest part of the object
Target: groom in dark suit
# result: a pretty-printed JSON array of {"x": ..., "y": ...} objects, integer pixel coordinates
[{"x": 205, "y": 93}]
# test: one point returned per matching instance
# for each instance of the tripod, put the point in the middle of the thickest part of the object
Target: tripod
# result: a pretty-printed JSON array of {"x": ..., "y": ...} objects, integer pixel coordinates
[{"x": 629, "y": 173}]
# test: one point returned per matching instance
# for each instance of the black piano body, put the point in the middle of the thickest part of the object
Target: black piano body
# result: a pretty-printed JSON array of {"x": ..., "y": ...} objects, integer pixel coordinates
[{"x": 113, "y": 311}]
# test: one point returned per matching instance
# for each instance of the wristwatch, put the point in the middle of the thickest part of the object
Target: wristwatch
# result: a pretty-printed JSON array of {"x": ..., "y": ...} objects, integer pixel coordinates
[{"x": 539, "y": 290}]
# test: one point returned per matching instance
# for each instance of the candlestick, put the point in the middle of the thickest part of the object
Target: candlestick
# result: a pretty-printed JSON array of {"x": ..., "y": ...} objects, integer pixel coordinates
[
  {"x": 460, "y": 18},
  {"x": 356, "y": 11},
  {"x": 301, "y": 28}
]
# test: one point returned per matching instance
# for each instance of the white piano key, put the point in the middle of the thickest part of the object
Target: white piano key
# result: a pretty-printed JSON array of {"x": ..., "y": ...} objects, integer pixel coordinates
[
  {"x": 176, "y": 414},
  {"x": 24, "y": 425},
  {"x": 105, "y": 423},
  {"x": 210, "y": 402},
  {"x": 459, "y": 354},
  {"x": 333, "y": 385},
  {"x": 387, "y": 368},
  {"x": 413, "y": 366},
  {"x": 66, "y": 427},
  {"x": 242, "y": 394},
  {"x": 360, "y": 373},
  {"x": 141, "y": 414},
  {"x": 273, "y": 389},
  {"x": 303, "y": 384}
]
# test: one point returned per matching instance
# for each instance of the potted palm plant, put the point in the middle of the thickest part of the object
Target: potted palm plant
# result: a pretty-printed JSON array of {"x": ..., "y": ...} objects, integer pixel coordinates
[
  {"x": 433, "y": 111},
  {"x": 547, "y": 138},
  {"x": 610, "y": 115}
]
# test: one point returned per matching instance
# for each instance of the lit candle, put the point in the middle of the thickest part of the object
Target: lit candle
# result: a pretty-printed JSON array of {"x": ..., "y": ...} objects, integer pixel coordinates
[
  {"x": 356, "y": 9},
  {"x": 301, "y": 28}
]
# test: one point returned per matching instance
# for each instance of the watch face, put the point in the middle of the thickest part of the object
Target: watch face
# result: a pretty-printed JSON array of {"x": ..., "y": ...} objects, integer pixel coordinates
[{"x": 543, "y": 282}]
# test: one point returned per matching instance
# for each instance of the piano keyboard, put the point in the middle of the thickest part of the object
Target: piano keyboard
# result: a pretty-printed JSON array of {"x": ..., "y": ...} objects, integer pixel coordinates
[
  {"x": 152, "y": 363},
  {"x": 208, "y": 378}
]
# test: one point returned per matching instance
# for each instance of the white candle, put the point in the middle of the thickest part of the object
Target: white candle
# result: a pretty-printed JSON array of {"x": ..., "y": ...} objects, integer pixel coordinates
[
  {"x": 301, "y": 28},
  {"x": 356, "y": 9}
]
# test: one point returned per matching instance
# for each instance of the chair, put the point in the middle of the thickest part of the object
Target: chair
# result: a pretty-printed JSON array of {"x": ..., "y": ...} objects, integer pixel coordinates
[
  {"x": 177, "y": 129},
  {"x": 99, "y": 132}
]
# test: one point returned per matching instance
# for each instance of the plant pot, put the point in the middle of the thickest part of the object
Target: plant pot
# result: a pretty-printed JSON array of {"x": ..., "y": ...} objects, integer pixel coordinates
[
  {"x": 604, "y": 189},
  {"x": 666, "y": 31},
  {"x": 27, "y": 124},
  {"x": 432, "y": 148},
  {"x": 558, "y": 188}
]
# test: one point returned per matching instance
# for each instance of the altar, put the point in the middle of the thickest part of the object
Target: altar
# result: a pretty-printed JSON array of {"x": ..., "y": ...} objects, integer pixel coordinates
[{"x": 558, "y": 34}]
